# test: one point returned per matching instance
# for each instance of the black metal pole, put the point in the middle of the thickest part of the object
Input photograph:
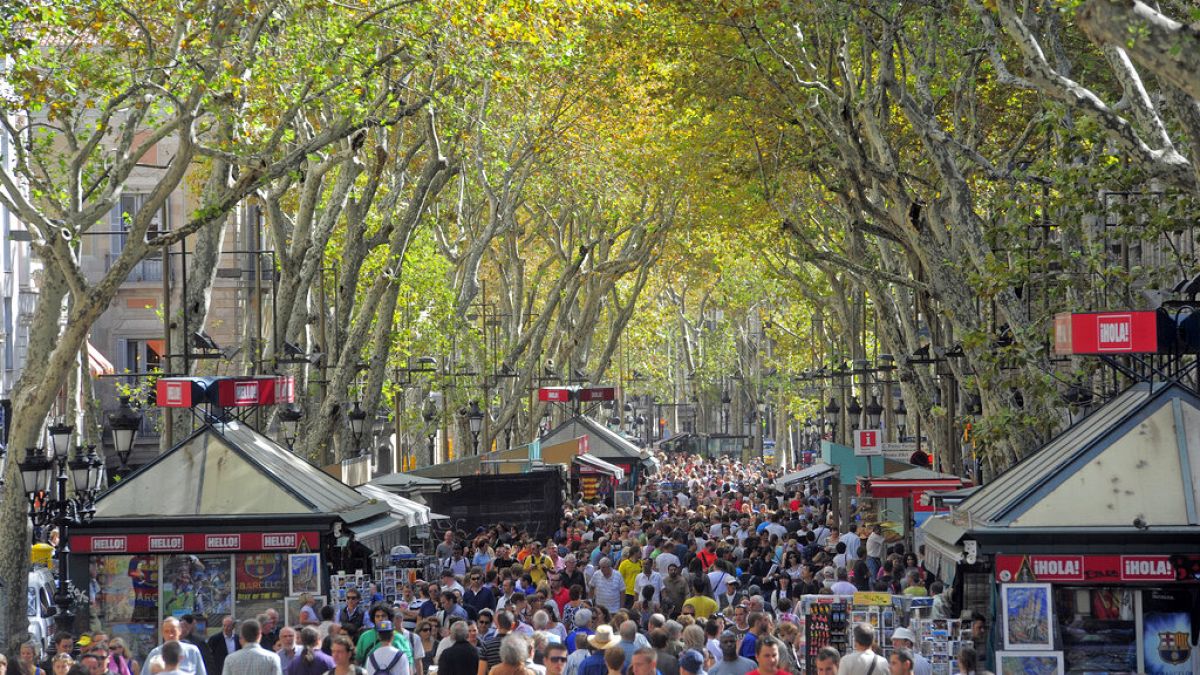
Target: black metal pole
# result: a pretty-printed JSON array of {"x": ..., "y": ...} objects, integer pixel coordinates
[{"x": 61, "y": 508}]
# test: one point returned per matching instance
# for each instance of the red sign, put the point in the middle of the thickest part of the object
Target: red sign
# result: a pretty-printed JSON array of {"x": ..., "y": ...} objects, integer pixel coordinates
[
  {"x": 227, "y": 392},
  {"x": 195, "y": 542},
  {"x": 583, "y": 444},
  {"x": 178, "y": 392},
  {"x": 598, "y": 394},
  {"x": 1107, "y": 333},
  {"x": 1096, "y": 568},
  {"x": 554, "y": 394},
  {"x": 866, "y": 442},
  {"x": 234, "y": 392}
]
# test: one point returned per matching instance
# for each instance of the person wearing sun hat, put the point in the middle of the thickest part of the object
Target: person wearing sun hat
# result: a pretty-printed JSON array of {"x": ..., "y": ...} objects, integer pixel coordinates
[
  {"x": 604, "y": 638},
  {"x": 903, "y": 638}
]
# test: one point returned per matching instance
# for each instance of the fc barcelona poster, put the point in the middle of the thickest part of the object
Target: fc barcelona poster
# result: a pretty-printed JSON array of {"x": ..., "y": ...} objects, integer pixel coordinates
[{"x": 1167, "y": 633}]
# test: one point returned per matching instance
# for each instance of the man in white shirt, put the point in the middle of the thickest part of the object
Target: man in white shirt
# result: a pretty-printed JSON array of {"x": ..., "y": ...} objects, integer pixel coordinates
[
  {"x": 648, "y": 577},
  {"x": 667, "y": 557},
  {"x": 607, "y": 587},
  {"x": 875, "y": 545},
  {"x": 843, "y": 585},
  {"x": 386, "y": 659},
  {"x": 852, "y": 542},
  {"x": 191, "y": 662},
  {"x": 862, "y": 660}
]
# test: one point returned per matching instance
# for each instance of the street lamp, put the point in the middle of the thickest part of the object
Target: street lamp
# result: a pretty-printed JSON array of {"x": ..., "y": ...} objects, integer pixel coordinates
[
  {"x": 358, "y": 422},
  {"x": 854, "y": 412},
  {"x": 901, "y": 413},
  {"x": 60, "y": 439},
  {"x": 289, "y": 425},
  {"x": 874, "y": 412},
  {"x": 124, "y": 424},
  {"x": 430, "y": 415},
  {"x": 45, "y": 477},
  {"x": 475, "y": 421}
]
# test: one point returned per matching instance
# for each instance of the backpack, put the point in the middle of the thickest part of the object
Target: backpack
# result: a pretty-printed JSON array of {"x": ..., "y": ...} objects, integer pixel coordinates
[{"x": 375, "y": 664}]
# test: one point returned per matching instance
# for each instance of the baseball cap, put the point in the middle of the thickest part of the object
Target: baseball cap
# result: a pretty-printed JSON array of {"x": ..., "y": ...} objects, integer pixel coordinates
[
  {"x": 384, "y": 626},
  {"x": 691, "y": 661}
]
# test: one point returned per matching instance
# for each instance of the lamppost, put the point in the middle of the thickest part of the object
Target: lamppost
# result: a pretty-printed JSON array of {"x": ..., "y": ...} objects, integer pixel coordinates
[
  {"x": 45, "y": 479},
  {"x": 475, "y": 421},
  {"x": 358, "y": 423},
  {"x": 430, "y": 415},
  {"x": 725, "y": 401},
  {"x": 874, "y": 412},
  {"x": 125, "y": 423},
  {"x": 289, "y": 425},
  {"x": 901, "y": 415},
  {"x": 854, "y": 411}
]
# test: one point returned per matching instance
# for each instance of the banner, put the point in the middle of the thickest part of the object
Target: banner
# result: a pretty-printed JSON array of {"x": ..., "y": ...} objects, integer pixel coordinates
[
  {"x": 1099, "y": 569},
  {"x": 194, "y": 542}
]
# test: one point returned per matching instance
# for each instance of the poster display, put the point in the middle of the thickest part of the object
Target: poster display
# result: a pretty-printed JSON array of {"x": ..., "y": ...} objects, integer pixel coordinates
[
  {"x": 1027, "y": 616},
  {"x": 125, "y": 588},
  {"x": 261, "y": 580},
  {"x": 1166, "y": 632},
  {"x": 199, "y": 585},
  {"x": 304, "y": 573}
]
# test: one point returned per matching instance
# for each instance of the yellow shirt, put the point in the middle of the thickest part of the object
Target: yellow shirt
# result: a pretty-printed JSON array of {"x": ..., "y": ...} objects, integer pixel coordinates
[
  {"x": 703, "y": 605},
  {"x": 537, "y": 566},
  {"x": 630, "y": 570}
]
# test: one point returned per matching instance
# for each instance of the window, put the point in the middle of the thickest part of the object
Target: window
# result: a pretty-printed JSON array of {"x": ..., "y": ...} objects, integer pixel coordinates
[{"x": 151, "y": 267}]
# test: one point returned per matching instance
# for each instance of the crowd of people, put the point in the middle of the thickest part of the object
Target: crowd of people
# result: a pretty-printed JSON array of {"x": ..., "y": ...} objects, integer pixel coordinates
[{"x": 702, "y": 576}]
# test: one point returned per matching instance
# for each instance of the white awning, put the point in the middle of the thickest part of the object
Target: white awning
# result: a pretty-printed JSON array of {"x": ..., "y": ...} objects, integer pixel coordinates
[
  {"x": 789, "y": 481},
  {"x": 407, "y": 511},
  {"x": 601, "y": 465}
]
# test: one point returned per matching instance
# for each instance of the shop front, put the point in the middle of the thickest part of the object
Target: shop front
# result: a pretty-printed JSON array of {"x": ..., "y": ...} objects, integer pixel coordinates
[
  {"x": 1111, "y": 613},
  {"x": 226, "y": 523},
  {"x": 1090, "y": 547},
  {"x": 137, "y": 580}
]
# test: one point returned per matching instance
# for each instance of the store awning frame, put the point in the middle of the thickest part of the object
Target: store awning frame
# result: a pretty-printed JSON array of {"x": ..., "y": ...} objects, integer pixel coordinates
[
  {"x": 600, "y": 465},
  {"x": 819, "y": 470}
]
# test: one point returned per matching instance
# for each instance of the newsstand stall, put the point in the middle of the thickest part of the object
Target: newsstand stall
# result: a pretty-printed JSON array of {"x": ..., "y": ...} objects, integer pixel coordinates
[
  {"x": 1091, "y": 545},
  {"x": 828, "y": 620},
  {"x": 226, "y": 523}
]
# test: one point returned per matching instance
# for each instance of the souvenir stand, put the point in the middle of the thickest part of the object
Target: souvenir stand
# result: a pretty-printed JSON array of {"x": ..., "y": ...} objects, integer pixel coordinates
[
  {"x": 1091, "y": 545},
  {"x": 227, "y": 522},
  {"x": 828, "y": 620}
]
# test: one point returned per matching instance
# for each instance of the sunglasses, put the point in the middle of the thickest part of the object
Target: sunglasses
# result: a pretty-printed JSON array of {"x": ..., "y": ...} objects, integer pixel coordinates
[
  {"x": 557, "y": 659},
  {"x": 353, "y": 597},
  {"x": 424, "y": 630}
]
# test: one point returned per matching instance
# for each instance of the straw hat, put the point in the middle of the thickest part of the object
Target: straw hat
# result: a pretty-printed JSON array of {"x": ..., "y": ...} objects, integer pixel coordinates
[{"x": 604, "y": 637}]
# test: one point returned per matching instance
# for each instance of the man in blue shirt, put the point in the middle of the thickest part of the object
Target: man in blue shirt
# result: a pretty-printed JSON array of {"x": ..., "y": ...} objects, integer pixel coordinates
[
  {"x": 583, "y": 623},
  {"x": 603, "y": 639},
  {"x": 750, "y": 642}
]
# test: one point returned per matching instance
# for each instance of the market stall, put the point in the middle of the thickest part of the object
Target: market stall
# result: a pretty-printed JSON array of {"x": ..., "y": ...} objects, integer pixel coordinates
[
  {"x": 227, "y": 522},
  {"x": 1091, "y": 545},
  {"x": 604, "y": 444},
  {"x": 827, "y": 621}
]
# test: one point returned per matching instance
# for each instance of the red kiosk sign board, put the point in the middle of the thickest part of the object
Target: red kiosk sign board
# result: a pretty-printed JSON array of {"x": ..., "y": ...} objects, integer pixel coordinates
[
  {"x": 226, "y": 392},
  {"x": 554, "y": 394},
  {"x": 1107, "y": 333},
  {"x": 1099, "y": 569},
  {"x": 598, "y": 394}
]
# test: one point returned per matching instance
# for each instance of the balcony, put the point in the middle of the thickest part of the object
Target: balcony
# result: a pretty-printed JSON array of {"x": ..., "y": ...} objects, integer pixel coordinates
[{"x": 148, "y": 270}]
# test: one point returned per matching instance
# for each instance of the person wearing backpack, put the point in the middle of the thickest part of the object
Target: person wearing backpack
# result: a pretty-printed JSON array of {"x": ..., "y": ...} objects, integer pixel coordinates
[{"x": 387, "y": 659}]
